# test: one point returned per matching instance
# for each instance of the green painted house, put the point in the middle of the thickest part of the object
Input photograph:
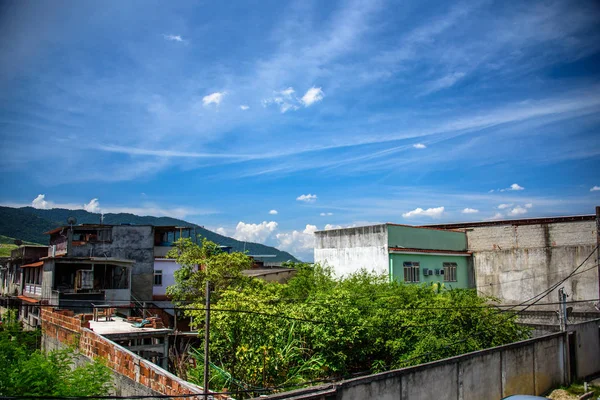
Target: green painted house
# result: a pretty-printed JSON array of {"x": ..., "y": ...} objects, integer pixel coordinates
[{"x": 408, "y": 254}]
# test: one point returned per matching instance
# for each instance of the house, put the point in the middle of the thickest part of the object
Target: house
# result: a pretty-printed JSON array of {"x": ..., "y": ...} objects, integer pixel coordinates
[
  {"x": 20, "y": 283},
  {"x": 406, "y": 253},
  {"x": 141, "y": 244}
]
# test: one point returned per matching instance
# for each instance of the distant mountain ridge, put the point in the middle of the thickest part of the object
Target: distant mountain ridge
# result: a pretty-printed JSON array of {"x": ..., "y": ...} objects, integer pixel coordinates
[{"x": 29, "y": 224}]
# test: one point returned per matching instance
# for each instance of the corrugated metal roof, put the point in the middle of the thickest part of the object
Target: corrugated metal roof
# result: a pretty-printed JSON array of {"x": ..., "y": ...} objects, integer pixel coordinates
[{"x": 427, "y": 251}]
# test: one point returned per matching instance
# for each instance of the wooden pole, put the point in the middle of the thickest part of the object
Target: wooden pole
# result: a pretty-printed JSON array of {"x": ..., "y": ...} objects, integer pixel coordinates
[{"x": 206, "y": 337}]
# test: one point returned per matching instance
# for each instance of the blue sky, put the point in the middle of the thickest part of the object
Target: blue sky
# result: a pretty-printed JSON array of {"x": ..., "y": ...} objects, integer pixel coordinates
[{"x": 268, "y": 120}]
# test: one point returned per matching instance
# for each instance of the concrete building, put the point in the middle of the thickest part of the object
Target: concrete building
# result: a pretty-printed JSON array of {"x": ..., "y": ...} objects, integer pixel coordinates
[
  {"x": 512, "y": 260},
  {"x": 138, "y": 243},
  {"x": 515, "y": 260},
  {"x": 407, "y": 254}
]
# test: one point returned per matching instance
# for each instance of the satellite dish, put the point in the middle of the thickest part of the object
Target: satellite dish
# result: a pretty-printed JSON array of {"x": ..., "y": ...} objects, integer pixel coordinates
[{"x": 71, "y": 220}]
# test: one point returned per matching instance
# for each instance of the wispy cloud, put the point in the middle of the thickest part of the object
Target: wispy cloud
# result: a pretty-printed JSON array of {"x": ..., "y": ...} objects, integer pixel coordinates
[
  {"x": 595, "y": 189},
  {"x": 326, "y": 214},
  {"x": 504, "y": 206},
  {"x": 419, "y": 146},
  {"x": 469, "y": 211},
  {"x": 307, "y": 198},
  {"x": 214, "y": 98},
  {"x": 174, "y": 38},
  {"x": 443, "y": 82},
  {"x": 244, "y": 107}
]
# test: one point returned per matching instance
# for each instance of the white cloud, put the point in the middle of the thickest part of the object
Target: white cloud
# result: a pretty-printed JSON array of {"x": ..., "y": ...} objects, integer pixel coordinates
[
  {"x": 213, "y": 98},
  {"x": 287, "y": 93},
  {"x": 518, "y": 210},
  {"x": 515, "y": 186},
  {"x": 430, "y": 212},
  {"x": 528, "y": 205},
  {"x": 298, "y": 243},
  {"x": 595, "y": 189},
  {"x": 312, "y": 95},
  {"x": 244, "y": 107},
  {"x": 495, "y": 217},
  {"x": 258, "y": 233},
  {"x": 491, "y": 191},
  {"x": 307, "y": 198},
  {"x": 175, "y": 38},
  {"x": 284, "y": 107},
  {"x": 419, "y": 146},
  {"x": 504, "y": 206},
  {"x": 469, "y": 211},
  {"x": 330, "y": 226},
  {"x": 273, "y": 212},
  {"x": 327, "y": 214},
  {"x": 93, "y": 206},
  {"x": 221, "y": 231},
  {"x": 40, "y": 202}
]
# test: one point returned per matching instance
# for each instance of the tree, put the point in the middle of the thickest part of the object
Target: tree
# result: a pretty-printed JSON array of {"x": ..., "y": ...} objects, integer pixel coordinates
[
  {"x": 317, "y": 326},
  {"x": 199, "y": 263},
  {"x": 25, "y": 371}
]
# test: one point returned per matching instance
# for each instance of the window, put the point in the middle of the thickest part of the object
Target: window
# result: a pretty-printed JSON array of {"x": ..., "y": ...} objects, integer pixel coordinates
[
  {"x": 158, "y": 277},
  {"x": 449, "y": 272},
  {"x": 411, "y": 271}
]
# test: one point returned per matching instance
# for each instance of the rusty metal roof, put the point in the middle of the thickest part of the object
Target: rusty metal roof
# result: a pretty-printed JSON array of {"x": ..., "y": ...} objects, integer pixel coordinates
[{"x": 33, "y": 265}]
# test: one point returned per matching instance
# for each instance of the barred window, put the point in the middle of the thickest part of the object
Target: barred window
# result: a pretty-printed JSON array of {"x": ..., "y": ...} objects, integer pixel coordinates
[
  {"x": 449, "y": 272},
  {"x": 411, "y": 271}
]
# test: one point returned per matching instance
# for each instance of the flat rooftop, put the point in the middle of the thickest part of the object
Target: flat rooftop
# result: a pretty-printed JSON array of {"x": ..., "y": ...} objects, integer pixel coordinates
[{"x": 120, "y": 326}]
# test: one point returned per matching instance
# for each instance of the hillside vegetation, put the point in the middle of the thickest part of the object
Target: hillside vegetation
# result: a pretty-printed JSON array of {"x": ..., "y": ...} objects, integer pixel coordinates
[{"x": 29, "y": 224}]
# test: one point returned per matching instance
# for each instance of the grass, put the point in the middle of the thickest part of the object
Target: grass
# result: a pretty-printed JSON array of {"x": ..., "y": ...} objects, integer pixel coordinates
[
  {"x": 5, "y": 249},
  {"x": 577, "y": 389}
]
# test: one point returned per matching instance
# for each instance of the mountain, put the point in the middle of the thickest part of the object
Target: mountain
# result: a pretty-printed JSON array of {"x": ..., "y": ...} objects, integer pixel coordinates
[{"x": 29, "y": 224}]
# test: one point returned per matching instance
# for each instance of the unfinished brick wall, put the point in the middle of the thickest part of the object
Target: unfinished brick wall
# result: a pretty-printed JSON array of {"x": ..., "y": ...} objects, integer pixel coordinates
[{"x": 73, "y": 330}]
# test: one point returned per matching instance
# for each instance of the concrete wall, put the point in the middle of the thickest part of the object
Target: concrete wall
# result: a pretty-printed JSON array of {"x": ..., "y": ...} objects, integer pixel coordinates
[
  {"x": 517, "y": 262},
  {"x": 530, "y": 367},
  {"x": 431, "y": 261},
  {"x": 587, "y": 344},
  {"x": 423, "y": 238},
  {"x": 128, "y": 242},
  {"x": 348, "y": 250}
]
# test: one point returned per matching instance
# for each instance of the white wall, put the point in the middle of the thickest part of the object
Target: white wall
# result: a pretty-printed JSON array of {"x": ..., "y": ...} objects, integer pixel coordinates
[
  {"x": 348, "y": 250},
  {"x": 168, "y": 268}
]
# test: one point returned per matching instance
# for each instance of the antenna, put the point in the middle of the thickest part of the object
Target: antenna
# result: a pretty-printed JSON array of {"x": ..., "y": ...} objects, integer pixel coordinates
[{"x": 71, "y": 221}]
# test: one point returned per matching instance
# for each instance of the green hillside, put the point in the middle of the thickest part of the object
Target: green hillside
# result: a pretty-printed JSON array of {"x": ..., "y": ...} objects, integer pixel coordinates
[
  {"x": 7, "y": 244},
  {"x": 29, "y": 224}
]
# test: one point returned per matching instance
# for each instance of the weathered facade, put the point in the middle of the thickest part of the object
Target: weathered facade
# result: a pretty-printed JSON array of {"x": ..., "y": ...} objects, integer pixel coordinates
[
  {"x": 407, "y": 254},
  {"x": 518, "y": 259}
]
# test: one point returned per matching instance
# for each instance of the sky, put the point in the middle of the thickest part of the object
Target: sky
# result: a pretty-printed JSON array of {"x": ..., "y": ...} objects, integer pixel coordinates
[{"x": 269, "y": 120}]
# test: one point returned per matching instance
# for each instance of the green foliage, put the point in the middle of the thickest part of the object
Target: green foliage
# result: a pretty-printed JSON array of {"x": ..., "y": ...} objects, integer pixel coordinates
[
  {"x": 28, "y": 223},
  {"x": 199, "y": 263},
  {"x": 317, "y": 326},
  {"x": 25, "y": 371}
]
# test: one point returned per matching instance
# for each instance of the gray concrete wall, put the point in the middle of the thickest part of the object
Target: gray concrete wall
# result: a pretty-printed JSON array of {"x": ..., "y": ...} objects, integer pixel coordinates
[
  {"x": 587, "y": 345},
  {"x": 517, "y": 262},
  {"x": 348, "y": 250},
  {"x": 129, "y": 242},
  {"x": 533, "y": 367}
]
